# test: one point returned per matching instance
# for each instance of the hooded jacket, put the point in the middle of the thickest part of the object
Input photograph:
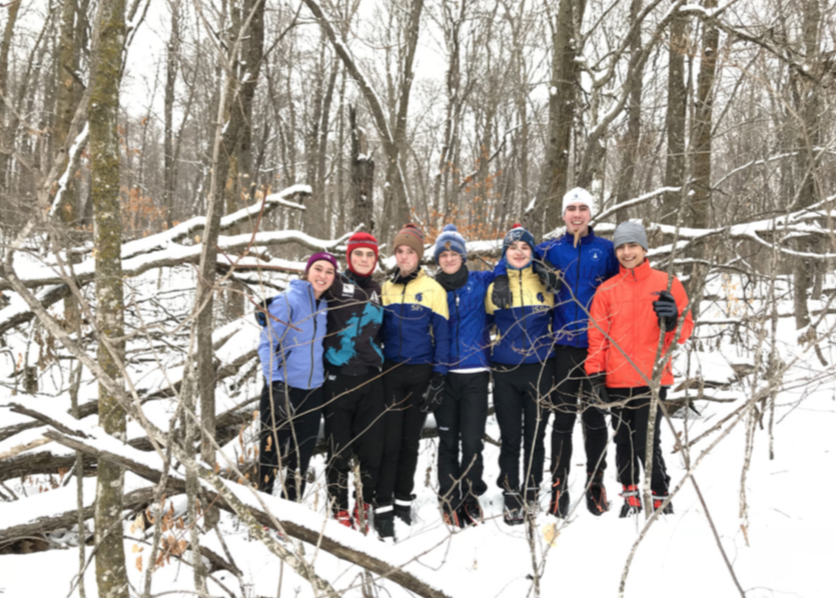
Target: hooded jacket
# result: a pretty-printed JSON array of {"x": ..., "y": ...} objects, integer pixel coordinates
[
  {"x": 470, "y": 343},
  {"x": 622, "y": 319},
  {"x": 294, "y": 355},
  {"x": 415, "y": 322},
  {"x": 524, "y": 329},
  {"x": 355, "y": 317}
]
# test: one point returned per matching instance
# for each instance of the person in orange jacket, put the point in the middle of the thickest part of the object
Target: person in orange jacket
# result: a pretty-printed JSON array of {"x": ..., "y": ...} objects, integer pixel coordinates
[{"x": 628, "y": 313}]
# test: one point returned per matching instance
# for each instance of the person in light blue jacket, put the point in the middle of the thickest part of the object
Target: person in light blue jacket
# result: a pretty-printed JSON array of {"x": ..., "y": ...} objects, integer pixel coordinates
[{"x": 291, "y": 351}]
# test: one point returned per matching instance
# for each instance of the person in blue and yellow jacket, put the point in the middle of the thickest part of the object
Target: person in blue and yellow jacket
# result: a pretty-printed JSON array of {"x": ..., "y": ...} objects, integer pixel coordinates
[
  {"x": 416, "y": 351},
  {"x": 522, "y": 368}
]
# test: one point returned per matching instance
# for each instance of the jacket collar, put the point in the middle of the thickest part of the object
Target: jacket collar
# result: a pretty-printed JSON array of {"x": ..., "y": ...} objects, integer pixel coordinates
[
  {"x": 589, "y": 238},
  {"x": 640, "y": 272}
]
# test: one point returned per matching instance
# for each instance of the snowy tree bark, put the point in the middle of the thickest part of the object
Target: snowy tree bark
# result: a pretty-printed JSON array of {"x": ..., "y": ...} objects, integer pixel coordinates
[{"x": 111, "y": 575}]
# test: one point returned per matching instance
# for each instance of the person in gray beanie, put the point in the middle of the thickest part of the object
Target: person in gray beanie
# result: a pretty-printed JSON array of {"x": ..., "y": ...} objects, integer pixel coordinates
[{"x": 630, "y": 232}]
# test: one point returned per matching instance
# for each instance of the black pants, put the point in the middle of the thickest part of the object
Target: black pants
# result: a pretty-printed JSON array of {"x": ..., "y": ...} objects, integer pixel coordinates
[
  {"x": 571, "y": 381},
  {"x": 404, "y": 387},
  {"x": 295, "y": 436},
  {"x": 630, "y": 425},
  {"x": 461, "y": 423},
  {"x": 521, "y": 400},
  {"x": 353, "y": 425}
]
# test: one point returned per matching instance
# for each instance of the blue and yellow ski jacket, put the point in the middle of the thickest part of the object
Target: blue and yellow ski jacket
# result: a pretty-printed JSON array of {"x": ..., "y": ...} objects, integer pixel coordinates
[
  {"x": 470, "y": 343},
  {"x": 523, "y": 330},
  {"x": 415, "y": 323},
  {"x": 294, "y": 355}
]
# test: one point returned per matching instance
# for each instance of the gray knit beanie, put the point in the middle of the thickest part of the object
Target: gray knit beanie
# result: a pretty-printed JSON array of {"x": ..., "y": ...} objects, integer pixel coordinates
[{"x": 630, "y": 232}]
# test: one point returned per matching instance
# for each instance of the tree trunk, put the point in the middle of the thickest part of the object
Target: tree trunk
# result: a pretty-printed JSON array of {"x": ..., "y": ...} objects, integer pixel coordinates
[
  {"x": 111, "y": 575},
  {"x": 362, "y": 177},
  {"x": 555, "y": 175},
  {"x": 5, "y": 136},
  {"x": 170, "y": 166},
  {"x": 675, "y": 119}
]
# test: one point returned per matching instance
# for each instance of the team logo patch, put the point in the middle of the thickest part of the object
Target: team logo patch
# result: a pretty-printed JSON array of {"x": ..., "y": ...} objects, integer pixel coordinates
[
  {"x": 540, "y": 298},
  {"x": 348, "y": 290},
  {"x": 595, "y": 255},
  {"x": 374, "y": 298},
  {"x": 419, "y": 297}
]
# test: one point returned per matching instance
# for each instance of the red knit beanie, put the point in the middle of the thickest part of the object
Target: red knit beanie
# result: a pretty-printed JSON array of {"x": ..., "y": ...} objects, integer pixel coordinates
[{"x": 361, "y": 240}]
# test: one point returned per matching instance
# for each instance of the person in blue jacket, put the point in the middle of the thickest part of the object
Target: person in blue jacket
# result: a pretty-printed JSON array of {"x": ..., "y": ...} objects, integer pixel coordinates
[
  {"x": 416, "y": 347},
  {"x": 291, "y": 351},
  {"x": 522, "y": 369},
  {"x": 573, "y": 266},
  {"x": 463, "y": 411}
]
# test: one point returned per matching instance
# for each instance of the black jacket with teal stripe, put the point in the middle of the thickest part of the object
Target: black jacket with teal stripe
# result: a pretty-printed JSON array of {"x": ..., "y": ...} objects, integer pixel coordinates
[
  {"x": 415, "y": 323},
  {"x": 524, "y": 330}
]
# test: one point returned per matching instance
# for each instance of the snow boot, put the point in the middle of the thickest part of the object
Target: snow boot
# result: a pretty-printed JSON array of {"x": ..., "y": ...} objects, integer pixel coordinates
[
  {"x": 403, "y": 510},
  {"x": 384, "y": 522},
  {"x": 596, "y": 494},
  {"x": 632, "y": 501},
  {"x": 470, "y": 513},
  {"x": 449, "y": 515},
  {"x": 514, "y": 512},
  {"x": 658, "y": 499},
  {"x": 344, "y": 518},
  {"x": 361, "y": 520},
  {"x": 559, "y": 505}
]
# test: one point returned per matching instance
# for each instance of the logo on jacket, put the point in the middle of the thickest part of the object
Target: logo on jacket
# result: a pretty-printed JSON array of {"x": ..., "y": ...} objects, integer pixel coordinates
[
  {"x": 375, "y": 299},
  {"x": 348, "y": 290},
  {"x": 595, "y": 255},
  {"x": 540, "y": 298},
  {"x": 419, "y": 297}
]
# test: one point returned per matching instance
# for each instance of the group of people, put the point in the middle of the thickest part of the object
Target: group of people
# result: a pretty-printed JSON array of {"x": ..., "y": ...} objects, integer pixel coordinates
[{"x": 577, "y": 325}]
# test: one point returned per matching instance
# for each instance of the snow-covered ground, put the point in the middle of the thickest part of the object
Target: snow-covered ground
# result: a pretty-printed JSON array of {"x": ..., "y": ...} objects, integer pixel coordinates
[{"x": 781, "y": 548}]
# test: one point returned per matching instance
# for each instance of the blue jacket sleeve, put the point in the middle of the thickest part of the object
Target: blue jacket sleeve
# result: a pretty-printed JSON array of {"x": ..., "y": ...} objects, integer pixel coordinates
[
  {"x": 272, "y": 334},
  {"x": 441, "y": 338}
]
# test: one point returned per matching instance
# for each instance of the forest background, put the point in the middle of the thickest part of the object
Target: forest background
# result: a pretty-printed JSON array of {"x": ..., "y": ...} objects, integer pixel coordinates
[{"x": 225, "y": 140}]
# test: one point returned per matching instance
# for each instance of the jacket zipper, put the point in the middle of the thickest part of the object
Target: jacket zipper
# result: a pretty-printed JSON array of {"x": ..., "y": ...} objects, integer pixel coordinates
[
  {"x": 313, "y": 340},
  {"x": 400, "y": 321},
  {"x": 524, "y": 326},
  {"x": 458, "y": 328},
  {"x": 578, "y": 282}
]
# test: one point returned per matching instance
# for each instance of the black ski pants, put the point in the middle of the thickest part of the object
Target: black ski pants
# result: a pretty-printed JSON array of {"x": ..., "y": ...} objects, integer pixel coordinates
[
  {"x": 461, "y": 426},
  {"x": 404, "y": 386},
  {"x": 289, "y": 421},
  {"x": 630, "y": 424},
  {"x": 353, "y": 426},
  {"x": 573, "y": 393},
  {"x": 521, "y": 401}
]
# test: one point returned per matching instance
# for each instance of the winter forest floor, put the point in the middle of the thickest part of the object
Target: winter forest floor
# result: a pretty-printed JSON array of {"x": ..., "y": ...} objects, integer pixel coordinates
[{"x": 783, "y": 547}]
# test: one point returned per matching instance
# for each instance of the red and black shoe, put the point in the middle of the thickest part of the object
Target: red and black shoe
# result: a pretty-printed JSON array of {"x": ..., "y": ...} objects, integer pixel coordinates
[
  {"x": 344, "y": 518},
  {"x": 470, "y": 513},
  {"x": 596, "y": 494},
  {"x": 450, "y": 516},
  {"x": 559, "y": 505},
  {"x": 632, "y": 501},
  {"x": 658, "y": 499}
]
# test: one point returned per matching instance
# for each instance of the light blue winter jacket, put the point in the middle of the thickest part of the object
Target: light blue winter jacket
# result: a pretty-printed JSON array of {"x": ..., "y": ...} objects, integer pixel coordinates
[{"x": 293, "y": 355}]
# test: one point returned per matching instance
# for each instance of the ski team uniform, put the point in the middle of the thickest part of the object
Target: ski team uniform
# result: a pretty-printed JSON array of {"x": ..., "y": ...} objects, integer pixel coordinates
[
  {"x": 522, "y": 368},
  {"x": 353, "y": 390},
  {"x": 623, "y": 319},
  {"x": 464, "y": 408},
  {"x": 583, "y": 268},
  {"x": 416, "y": 344},
  {"x": 292, "y": 363}
]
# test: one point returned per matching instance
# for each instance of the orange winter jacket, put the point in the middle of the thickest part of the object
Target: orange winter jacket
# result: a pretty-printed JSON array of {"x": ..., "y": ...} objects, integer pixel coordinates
[{"x": 624, "y": 329}]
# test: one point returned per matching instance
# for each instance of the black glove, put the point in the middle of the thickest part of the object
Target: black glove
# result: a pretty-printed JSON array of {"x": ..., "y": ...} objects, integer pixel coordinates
[
  {"x": 549, "y": 275},
  {"x": 261, "y": 312},
  {"x": 501, "y": 295},
  {"x": 599, "y": 388},
  {"x": 665, "y": 308},
  {"x": 282, "y": 407},
  {"x": 435, "y": 393}
]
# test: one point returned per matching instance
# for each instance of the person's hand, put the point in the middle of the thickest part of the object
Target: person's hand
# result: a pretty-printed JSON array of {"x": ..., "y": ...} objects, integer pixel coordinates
[
  {"x": 549, "y": 275},
  {"x": 435, "y": 393},
  {"x": 261, "y": 312},
  {"x": 501, "y": 295},
  {"x": 282, "y": 406},
  {"x": 599, "y": 388},
  {"x": 665, "y": 308}
]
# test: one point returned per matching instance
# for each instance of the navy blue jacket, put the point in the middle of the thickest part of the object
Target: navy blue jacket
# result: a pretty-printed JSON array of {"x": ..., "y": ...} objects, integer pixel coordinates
[{"x": 470, "y": 343}]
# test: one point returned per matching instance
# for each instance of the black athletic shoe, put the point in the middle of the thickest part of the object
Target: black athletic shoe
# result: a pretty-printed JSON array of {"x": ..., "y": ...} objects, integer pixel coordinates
[
  {"x": 559, "y": 505},
  {"x": 596, "y": 494},
  {"x": 403, "y": 510},
  {"x": 658, "y": 499},
  {"x": 514, "y": 512},
  {"x": 384, "y": 522}
]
